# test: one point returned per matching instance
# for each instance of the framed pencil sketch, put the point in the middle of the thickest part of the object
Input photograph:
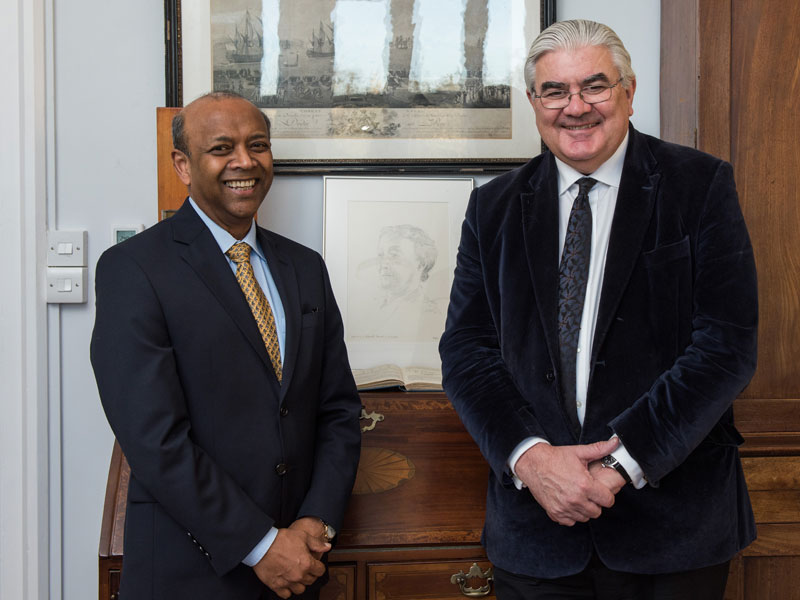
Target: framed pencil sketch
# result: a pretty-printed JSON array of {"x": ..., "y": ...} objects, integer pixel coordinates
[
  {"x": 390, "y": 247},
  {"x": 368, "y": 85}
]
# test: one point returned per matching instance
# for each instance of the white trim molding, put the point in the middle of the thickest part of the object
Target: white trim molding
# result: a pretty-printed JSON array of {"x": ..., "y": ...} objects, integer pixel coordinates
[{"x": 24, "y": 464}]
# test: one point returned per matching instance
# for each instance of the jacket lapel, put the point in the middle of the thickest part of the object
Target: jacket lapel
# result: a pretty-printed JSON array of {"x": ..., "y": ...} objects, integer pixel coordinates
[
  {"x": 201, "y": 251},
  {"x": 285, "y": 277},
  {"x": 635, "y": 201},
  {"x": 540, "y": 232}
]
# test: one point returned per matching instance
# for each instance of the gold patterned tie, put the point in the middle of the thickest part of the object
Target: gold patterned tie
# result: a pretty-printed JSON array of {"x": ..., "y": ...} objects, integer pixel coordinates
[{"x": 239, "y": 253}]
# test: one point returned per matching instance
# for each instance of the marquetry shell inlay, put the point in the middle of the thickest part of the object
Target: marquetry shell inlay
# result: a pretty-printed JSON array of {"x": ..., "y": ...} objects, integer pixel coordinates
[{"x": 380, "y": 470}]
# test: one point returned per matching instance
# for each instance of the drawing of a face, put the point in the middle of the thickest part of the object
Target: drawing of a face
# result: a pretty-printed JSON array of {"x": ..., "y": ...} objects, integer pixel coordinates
[{"x": 398, "y": 266}]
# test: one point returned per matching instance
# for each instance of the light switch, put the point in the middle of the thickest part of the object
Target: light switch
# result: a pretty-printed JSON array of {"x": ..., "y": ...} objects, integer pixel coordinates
[
  {"x": 66, "y": 248},
  {"x": 66, "y": 285}
]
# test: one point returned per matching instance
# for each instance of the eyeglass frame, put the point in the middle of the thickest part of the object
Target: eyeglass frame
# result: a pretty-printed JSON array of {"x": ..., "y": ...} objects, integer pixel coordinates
[{"x": 579, "y": 93}]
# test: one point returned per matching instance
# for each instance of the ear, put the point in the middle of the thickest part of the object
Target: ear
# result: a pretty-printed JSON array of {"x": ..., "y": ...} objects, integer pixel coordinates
[
  {"x": 182, "y": 166},
  {"x": 629, "y": 92},
  {"x": 531, "y": 99}
]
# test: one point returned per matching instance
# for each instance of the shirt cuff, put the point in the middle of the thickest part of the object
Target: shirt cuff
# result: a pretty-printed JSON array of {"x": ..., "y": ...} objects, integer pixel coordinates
[
  {"x": 257, "y": 553},
  {"x": 521, "y": 448},
  {"x": 631, "y": 467}
]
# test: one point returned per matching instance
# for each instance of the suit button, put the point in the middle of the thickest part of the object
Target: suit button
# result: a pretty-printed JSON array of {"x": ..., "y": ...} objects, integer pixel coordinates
[
  {"x": 550, "y": 377},
  {"x": 284, "y": 411},
  {"x": 281, "y": 469}
]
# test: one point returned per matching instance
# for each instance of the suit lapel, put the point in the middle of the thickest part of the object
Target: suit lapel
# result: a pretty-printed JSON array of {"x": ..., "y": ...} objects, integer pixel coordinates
[
  {"x": 285, "y": 277},
  {"x": 201, "y": 251},
  {"x": 635, "y": 201},
  {"x": 540, "y": 232}
]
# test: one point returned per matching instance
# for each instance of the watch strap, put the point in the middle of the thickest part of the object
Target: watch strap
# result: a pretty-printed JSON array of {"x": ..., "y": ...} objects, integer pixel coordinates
[{"x": 610, "y": 462}]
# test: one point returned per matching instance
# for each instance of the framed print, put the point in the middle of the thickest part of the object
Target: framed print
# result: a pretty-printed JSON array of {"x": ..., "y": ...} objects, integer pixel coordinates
[
  {"x": 390, "y": 247},
  {"x": 369, "y": 85}
]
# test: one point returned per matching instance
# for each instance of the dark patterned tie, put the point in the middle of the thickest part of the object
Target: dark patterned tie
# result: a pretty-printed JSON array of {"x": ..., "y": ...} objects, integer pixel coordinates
[
  {"x": 572, "y": 276},
  {"x": 239, "y": 253}
]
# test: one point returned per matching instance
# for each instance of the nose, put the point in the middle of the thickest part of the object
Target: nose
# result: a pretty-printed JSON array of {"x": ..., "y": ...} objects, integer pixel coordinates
[
  {"x": 241, "y": 158},
  {"x": 576, "y": 106}
]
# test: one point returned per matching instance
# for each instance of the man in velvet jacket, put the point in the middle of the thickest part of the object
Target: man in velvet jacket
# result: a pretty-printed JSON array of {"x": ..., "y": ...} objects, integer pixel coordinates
[
  {"x": 635, "y": 489},
  {"x": 239, "y": 477}
]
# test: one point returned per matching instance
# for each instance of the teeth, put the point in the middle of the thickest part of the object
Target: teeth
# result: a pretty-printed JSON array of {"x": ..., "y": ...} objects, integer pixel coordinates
[
  {"x": 241, "y": 185},
  {"x": 578, "y": 127}
]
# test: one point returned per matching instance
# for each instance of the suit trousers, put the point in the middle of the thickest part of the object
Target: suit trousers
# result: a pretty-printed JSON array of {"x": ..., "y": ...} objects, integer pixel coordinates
[{"x": 598, "y": 582}]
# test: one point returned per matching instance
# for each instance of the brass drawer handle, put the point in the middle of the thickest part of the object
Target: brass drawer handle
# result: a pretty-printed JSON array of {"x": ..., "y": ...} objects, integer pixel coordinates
[
  {"x": 373, "y": 416},
  {"x": 460, "y": 579}
]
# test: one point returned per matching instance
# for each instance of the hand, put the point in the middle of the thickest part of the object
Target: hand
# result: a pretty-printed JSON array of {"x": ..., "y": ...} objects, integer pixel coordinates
[
  {"x": 558, "y": 477},
  {"x": 608, "y": 477},
  {"x": 313, "y": 527},
  {"x": 290, "y": 563}
]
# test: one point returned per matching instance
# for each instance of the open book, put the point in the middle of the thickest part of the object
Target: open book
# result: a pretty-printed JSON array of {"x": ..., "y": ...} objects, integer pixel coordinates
[{"x": 410, "y": 379}]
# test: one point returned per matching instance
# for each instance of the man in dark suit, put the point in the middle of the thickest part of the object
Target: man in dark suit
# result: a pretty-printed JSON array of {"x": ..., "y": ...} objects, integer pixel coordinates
[
  {"x": 599, "y": 387},
  {"x": 237, "y": 411}
]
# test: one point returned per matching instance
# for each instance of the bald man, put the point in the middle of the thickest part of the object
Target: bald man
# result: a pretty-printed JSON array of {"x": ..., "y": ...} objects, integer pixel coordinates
[{"x": 219, "y": 356}]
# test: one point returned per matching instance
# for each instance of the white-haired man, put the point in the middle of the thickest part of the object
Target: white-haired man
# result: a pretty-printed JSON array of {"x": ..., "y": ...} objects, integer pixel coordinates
[{"x": 602, "y": 320}]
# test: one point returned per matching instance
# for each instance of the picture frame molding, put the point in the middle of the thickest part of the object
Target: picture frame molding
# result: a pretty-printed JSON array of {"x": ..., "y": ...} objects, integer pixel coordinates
[{"x": 434, "y": 206}]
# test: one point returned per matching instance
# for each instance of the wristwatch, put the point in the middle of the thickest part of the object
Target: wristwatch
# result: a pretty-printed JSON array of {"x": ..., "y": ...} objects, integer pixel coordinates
[
  {"x": 609, "y": 462},
  {"x": 328, "y": 532}
]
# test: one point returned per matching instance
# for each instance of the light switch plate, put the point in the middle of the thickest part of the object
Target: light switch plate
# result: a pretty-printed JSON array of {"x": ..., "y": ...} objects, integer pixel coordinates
[
  {"x": 66, "y": 285},
  {"x": 66, "y": 248}
]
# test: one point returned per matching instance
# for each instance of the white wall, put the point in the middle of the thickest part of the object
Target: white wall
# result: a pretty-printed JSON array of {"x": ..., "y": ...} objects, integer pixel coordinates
[
  {"x": 109, "y": 65},
  {"x": 108, "y": 79}
]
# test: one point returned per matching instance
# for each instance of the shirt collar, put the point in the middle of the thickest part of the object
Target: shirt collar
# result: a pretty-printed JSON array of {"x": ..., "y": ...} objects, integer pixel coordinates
[
  {"x": 609, "y": 173},
  {"x": 224, "y": 239}
]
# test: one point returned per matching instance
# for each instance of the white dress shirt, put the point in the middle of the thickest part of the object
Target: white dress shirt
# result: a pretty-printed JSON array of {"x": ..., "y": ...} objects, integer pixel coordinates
[{"x": 603, "y": 201}]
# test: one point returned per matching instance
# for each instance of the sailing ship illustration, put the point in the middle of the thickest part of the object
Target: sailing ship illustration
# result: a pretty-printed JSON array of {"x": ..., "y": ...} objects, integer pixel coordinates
[
  {"x": 321, "y": 43},
  {"x": 248, "y": 42}
]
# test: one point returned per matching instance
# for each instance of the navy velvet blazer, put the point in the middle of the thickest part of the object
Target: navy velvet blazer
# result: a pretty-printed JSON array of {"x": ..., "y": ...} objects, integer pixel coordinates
[
  {"x": 675, "y": 343},
  {"x": 189, "y": 391}
]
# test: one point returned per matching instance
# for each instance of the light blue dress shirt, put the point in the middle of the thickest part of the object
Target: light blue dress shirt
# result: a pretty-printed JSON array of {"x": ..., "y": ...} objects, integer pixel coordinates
[{"x": 260, "y": 269}]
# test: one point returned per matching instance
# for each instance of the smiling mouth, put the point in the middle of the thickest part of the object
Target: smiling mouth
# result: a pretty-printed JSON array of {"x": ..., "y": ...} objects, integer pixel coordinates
[
  {"x": 580, "y": 127},
  {"x": 241, "y": 184}
]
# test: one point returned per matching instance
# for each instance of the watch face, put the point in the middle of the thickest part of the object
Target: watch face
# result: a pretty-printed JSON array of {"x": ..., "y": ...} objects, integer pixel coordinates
[
  {"x": 330, "y": 532},
  {"x": 608, "y": 461}
]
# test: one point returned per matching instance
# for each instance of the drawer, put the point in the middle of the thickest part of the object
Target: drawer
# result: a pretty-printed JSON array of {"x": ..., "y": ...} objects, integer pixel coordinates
[
  {"x": 341, "y": 585},
  {"x": 429, "y": 580}
]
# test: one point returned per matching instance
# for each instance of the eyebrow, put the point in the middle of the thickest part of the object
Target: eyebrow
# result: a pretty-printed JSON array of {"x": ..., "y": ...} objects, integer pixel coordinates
[
  {"x": 560, "y": 85},
  {"x": 224, "y": 139}
]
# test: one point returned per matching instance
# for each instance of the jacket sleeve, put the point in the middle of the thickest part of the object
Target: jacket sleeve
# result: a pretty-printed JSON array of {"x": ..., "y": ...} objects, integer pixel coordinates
[
  {"x": 474, "y": 373},
  {"x": 684, "y": 404},
  {"x": 136, "y": 372}
]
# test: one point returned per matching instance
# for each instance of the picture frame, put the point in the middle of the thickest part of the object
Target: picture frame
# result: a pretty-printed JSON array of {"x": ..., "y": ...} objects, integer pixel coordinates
[
  {"x": 390, "y": 246},
  {"x": 323, "y": 122}
]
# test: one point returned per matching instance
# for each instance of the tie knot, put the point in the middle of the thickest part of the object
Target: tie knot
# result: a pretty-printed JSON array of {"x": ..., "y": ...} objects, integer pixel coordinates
[
  {"x": 585, "y": 184},
  {"x": 239, "y": 252}
]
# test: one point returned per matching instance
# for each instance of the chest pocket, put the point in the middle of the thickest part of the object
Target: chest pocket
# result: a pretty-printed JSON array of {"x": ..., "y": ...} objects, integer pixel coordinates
[{"x": 669, "y": 274}]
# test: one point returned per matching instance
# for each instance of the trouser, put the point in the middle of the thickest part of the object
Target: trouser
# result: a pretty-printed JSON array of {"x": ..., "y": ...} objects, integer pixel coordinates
[{"x": 598, "y": 582}]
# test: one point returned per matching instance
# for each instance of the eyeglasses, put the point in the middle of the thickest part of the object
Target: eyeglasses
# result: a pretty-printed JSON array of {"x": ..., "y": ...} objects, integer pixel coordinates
[{"x": 591, "y": 94}]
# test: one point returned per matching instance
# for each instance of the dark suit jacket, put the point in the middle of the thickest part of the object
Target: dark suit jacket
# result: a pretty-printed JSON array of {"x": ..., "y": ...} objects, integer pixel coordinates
[
  {"x": 675, "y": 343},
  {"x": 219, "y": 452}
]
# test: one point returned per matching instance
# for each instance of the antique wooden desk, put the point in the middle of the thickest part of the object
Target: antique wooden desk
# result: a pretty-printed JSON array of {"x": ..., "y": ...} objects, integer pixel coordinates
[
  {"x": 412, "y": 528},
  {"x": 413, "y": 525}
]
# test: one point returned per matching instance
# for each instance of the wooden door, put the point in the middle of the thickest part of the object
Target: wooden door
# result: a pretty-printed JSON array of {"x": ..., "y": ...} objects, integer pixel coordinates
[{"x": 730, "y": 82}]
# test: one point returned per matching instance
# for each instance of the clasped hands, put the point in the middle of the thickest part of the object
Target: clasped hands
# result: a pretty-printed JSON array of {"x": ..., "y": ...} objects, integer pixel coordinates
[
  {"x": 293, "y": 562},
  {"x": 568, "y": 481}
]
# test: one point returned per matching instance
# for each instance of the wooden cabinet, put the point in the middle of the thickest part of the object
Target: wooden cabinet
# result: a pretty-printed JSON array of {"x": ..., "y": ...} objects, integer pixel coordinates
[
  {"x": 729, "y": 87},
  {"x": 413, "y": 525}
]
